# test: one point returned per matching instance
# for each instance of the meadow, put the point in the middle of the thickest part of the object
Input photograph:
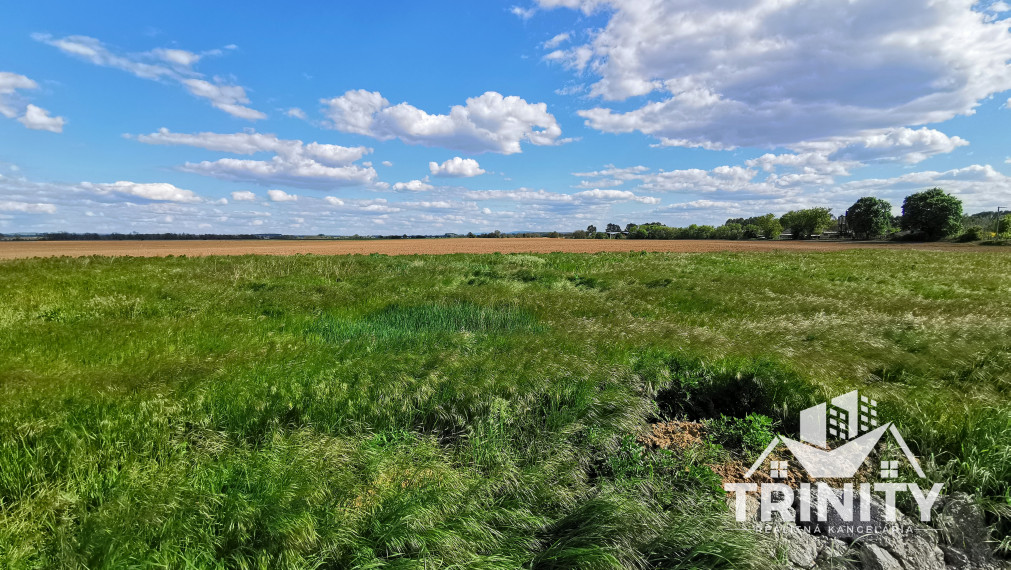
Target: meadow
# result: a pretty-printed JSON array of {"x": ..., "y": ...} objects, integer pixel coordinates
[{"x": 464, "y": 410}]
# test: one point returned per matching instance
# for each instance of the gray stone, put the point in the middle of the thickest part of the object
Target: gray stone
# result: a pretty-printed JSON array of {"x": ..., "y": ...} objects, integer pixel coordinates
[
  {"x": 801, "y": 547},
  {"x": 874, "y": 557},
  {"x": 955, "y": 558},
  {"x": 962, "y": 525},
  {"x": 834, "y": 524}
]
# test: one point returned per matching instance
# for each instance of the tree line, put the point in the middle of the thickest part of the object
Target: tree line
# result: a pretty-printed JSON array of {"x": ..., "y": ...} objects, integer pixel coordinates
[{"x": 929, "y": 215}]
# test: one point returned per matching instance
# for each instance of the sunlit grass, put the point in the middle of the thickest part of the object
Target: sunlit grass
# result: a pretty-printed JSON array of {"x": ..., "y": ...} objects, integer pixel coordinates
[{"x": 464, "y": 410}]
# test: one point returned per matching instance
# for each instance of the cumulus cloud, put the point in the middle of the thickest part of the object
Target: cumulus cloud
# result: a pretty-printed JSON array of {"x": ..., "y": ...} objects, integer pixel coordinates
[
  {"x": 160, "y": 191},
  {"x": 312, "y": 165},
  {"x": 243, "y": 196},
  {"x": 296, "y": 113},
  {"x": 412, "y": 186},
  {"x": 174, "y": 65},
  {"x": 456, "y": 167},
  {"x": 489, "y": 123},
  {"x": 32, "y": 116},
  {"x": 281, "y": 196},
  {"x": 40, "y": 119},
  {"x": 768, "y": 73}
]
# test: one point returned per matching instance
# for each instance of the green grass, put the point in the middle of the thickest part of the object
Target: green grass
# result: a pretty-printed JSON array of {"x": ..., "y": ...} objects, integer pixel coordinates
[{"x": 463, "y": 410}]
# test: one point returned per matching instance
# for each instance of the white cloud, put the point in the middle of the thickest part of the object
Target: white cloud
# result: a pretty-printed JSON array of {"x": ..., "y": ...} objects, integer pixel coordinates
[
  {"x": 456, "y": 167},
  {"x": 229, "y": 98},
  {"x": 556, "y": 41},
  {"x": 169, "y": 65},
  {"x": 489, "y": 123},
  {"x": 312, "y": 165},
  {"x": 26, "y": 207},
  {"x": 281, "y": 196},
  {"x": 243, "y": 196},
  {"x": 1000, "y": 7},
  {"x": 543, "y": 196},
  {"x": 161, "y": 191},
  {"x": 296, "y": 113},
  {"x": 412, "y": 186},
  {"x": 769, "y": 73},
  {"x": 32, "y": 116},
  {"x": 178, "y": 57},
  {"x": 9, "y": 84},
  {"x": 522, "y": 13},
  {"x": 40, "y": 119},
  {"x": 386, "y": 163}
]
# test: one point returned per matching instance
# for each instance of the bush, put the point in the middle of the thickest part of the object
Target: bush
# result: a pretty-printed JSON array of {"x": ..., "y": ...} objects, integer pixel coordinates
[
  {"x": 975, "y": 233},
  {"x": 748, "y": 435}
]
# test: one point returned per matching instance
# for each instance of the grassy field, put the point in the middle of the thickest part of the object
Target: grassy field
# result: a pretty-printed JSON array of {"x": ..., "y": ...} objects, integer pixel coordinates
[{"x": 468, "y": 411}]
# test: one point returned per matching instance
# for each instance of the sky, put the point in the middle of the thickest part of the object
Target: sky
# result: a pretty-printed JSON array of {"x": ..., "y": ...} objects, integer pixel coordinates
[{"x": 454, "y": 116}]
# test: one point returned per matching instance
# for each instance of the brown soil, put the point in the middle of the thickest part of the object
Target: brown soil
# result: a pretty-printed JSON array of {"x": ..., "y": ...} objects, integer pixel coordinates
[
  {"x": 680, "y": 435},
  {"x": 24, "y": 249}
]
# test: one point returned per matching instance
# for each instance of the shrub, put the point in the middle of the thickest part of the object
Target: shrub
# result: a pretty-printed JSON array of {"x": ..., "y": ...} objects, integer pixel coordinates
[{"x": 975, "y": 233}]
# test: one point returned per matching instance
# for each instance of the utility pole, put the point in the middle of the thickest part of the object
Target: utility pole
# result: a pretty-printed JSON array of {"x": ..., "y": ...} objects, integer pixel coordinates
[{"x": 996, "y": 228}]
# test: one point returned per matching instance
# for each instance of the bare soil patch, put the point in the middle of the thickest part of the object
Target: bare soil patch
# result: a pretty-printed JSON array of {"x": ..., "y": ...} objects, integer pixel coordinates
[{"x": 151, "y": 248}]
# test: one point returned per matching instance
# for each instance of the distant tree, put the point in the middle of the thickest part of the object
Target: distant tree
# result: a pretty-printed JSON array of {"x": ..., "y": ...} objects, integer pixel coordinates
[
  {"x": 769, "y": 224},
  {"x": 869, "y": 217},
  {"x": 579, "y": 234},
  {"x": 805, "y": 223},
  {"x": 591, "y": 229},
  {"x": 612, "y": 228},
  {"x": 553, "y": 234},
  {"x": 470, "y": 234},
  {"x": 752, "y": 231},
  {"x": 1002, "y": 227},
  {"x": 496, "y": 233},
  {"x": 630, "y": 227},
  {"x": 932, "y": 214},
  {"x": 731, "y": 230}
]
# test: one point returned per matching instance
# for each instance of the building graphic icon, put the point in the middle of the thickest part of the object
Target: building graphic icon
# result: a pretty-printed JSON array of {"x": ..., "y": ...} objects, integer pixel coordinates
[{"x": 849, "y": 422}]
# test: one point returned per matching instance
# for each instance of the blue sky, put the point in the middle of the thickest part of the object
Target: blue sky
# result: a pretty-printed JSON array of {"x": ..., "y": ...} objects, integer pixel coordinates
[{"x": 474, "y": 116}]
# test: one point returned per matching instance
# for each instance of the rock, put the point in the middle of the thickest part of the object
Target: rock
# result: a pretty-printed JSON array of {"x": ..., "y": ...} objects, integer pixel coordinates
[
  {"x": 962, "y": 526},
  {"x": 874, "y": 557},
  {"x": 955, "y": 558},
  {"x": 835, "y": 526},
  {"x": 801, "y": 547}
]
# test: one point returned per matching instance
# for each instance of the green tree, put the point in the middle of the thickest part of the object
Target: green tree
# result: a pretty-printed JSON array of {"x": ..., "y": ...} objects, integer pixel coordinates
[
  {"x": 591, "y": 229},
  {"x": 869, "y": 217},
  {"x": 932, "y": 214},
  {"x": 613, "y": 228},
  {"x": 770, "y": 225},
  {"x": 805, "y": 223}
]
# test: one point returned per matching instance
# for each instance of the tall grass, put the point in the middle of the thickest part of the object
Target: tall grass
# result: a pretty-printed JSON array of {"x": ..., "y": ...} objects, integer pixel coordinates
[{"x": 460, "y": 411}]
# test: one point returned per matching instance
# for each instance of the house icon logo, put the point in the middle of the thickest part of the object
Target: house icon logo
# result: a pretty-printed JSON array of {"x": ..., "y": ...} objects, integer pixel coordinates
[
  {"x": 851, "y": 418},
  {"x": 836, "y": 439}
]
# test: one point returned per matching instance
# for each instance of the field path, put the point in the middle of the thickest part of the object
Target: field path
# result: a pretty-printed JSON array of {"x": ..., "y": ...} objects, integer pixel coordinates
[{"x": 153, "y": 248}]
